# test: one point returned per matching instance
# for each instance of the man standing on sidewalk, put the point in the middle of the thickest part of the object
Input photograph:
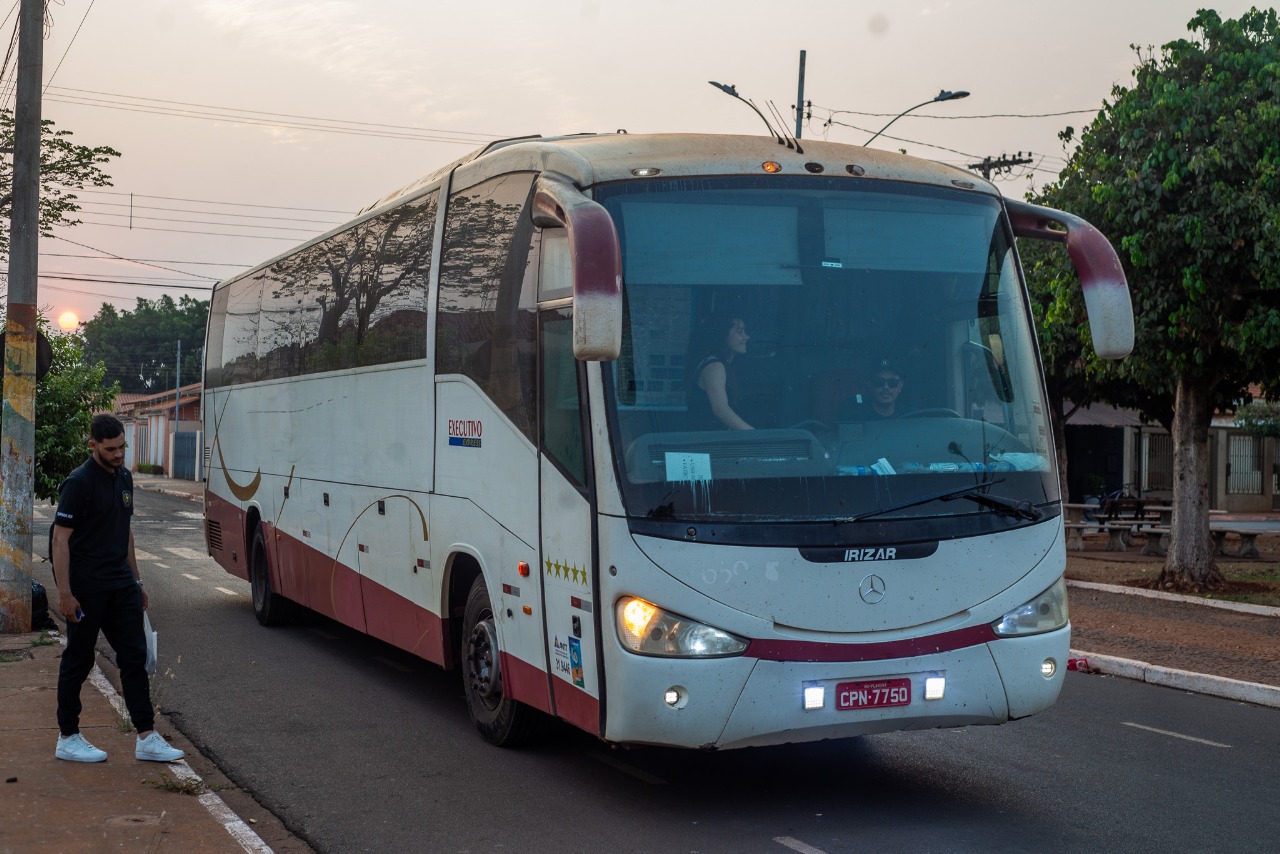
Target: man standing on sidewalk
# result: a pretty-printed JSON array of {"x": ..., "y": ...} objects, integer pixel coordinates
[{"x": 99, "y": 589}]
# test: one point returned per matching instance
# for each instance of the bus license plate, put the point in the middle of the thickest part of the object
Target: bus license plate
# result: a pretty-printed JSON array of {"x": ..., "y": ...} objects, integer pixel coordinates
[{"x": 873, "y": 694}]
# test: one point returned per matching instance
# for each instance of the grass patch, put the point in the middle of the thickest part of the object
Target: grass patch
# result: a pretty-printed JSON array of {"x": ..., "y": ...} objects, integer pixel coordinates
[
  {"x": 1252, "y": 582},
  {"x": 43, "y": 640},
  {"x": 178, "y": 786},
  {"x": 9, "y": 656},
  {"x": 157, "y": 688}
]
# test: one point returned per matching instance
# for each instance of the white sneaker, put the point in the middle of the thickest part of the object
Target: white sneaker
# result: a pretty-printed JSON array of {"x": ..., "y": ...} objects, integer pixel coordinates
[
  {"x": 76, "y": 748},
  {"x": 154, "y": 748}
]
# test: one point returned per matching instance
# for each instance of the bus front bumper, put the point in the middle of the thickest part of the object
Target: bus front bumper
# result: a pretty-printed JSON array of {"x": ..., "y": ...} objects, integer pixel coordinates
[{"x": 741, "y": 702}]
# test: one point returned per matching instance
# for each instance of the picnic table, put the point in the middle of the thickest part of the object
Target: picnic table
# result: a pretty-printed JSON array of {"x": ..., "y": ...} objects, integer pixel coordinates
[{"x": 1121, "y": 518}]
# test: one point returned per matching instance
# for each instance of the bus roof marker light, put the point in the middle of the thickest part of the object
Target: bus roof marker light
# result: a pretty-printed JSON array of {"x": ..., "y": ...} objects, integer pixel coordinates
[
  {"x": 771, "y": 166},
  {"x": 646, "y": 171},
  {"x": 815, "y": 697},
  {"x": 855, "y": 170}
]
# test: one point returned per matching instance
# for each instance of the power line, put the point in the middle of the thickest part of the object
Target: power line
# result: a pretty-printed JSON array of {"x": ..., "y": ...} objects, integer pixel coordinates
[
  {"x": 125, "y": 282},
  {"x": 183, "y": 109},
  {"x": 134, "y": 218},
  {"x": 139, "y": 260},
  {"x": 189, "y": 231},
  {"x": 834, "y": 112},
  {"x": 207, "y": 201},
  {"x": 327, "y": 222},
  {"x": 69, "y": 44},
  {"x": 901, "y": 139},
  {"x": 122, "y": 258}
]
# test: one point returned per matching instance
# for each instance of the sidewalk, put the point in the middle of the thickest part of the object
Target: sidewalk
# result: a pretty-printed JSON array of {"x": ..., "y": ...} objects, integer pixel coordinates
[{"x": 48, "y": 805}]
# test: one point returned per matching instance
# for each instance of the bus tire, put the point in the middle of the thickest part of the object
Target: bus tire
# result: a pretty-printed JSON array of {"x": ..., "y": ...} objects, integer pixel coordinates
[
  {"x": 269, "y": 607},
  {"x": 499, "y": 719}
]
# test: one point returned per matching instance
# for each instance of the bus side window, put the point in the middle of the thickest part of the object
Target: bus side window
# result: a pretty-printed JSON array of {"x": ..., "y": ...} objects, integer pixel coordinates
[
  {"x": 562, "y": 438},
  {"x": 488, "y": 279}
]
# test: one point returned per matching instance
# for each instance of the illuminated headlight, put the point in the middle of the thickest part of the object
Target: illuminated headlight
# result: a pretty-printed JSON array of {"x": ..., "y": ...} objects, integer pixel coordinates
[
  {"x": 646, "y": 629},
  {"x": 1045, "y": 613}
]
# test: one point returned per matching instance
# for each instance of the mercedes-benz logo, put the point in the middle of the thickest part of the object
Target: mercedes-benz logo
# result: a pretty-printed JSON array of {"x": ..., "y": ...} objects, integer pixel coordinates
[{"x": 871, "y": 589}]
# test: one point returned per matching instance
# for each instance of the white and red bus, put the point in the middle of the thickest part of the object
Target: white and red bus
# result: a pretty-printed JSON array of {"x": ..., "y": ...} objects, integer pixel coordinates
[{"x": 468, "y": 423}]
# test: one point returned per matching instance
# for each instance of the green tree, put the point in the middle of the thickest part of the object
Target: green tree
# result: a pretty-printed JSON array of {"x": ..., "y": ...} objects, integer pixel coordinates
[
  {"x": 141, "y": 346},
  {"x": 1182, "y": 172},
  {"x": 64, "y": 167},
  {"x": 1259, "y": 418}
]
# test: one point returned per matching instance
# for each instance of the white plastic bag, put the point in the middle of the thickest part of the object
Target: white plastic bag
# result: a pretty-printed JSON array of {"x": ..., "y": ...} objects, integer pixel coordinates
[{"x": 151, "y": 643}]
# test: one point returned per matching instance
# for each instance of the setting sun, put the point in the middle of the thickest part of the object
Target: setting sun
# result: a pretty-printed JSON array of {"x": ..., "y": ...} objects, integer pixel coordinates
[{"x": 68, "y": 320}]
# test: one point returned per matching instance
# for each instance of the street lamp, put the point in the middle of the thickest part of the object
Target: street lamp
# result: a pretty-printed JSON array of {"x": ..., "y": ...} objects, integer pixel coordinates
[
  {"x": 944, "y": 95},
  {"x": 731, "y": 90}
]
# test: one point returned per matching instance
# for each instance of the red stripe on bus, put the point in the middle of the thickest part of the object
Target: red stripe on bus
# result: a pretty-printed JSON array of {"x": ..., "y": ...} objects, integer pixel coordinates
[
  {"x": 786, "y": 650},
  {"x": 577, "y": 706}
]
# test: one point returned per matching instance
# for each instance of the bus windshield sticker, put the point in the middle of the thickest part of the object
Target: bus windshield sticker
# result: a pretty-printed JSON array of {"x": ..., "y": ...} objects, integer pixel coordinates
[{"x": 688, "y": 467}]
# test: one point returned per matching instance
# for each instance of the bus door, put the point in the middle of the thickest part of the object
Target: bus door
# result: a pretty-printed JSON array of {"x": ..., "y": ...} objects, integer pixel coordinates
[{"x": 566, "y": 569}]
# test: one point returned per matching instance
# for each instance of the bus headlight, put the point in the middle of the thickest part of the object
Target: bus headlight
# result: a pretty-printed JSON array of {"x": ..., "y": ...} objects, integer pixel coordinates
[
  {"x": 646, "y": 629},
  {"x": 1045, "y": 613}
]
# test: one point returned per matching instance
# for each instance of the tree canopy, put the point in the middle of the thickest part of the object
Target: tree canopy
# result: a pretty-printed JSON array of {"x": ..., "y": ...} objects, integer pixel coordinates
[
  {"x": 1182, "y": 172},
  {"x": 140, "y": 347},
  {"x": 65, "y": 166}
]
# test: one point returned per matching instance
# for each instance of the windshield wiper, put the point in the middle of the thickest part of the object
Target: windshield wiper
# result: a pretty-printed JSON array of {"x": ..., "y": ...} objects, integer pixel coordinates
[{"x": 1004, "y": 506}]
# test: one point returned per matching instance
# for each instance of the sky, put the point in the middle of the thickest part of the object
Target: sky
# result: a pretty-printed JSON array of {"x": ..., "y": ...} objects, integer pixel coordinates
[{"x": 247, "y": 127}]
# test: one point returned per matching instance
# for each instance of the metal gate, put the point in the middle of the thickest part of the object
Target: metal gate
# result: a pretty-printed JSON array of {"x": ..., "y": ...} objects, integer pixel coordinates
[{"x": 184, "y": 455}]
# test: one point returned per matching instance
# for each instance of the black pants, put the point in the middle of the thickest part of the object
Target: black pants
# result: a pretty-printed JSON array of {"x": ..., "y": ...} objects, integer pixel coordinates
[{"x": 118, "y": 615}]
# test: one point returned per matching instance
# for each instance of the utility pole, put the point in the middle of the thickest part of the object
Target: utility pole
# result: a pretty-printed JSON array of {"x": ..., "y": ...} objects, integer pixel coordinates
[
  {"x": 18, "y": 427},
  {"x": 800, "y": 97},
  {"x": 177, "y": 389},
  {"x": 999, "y": 165}
]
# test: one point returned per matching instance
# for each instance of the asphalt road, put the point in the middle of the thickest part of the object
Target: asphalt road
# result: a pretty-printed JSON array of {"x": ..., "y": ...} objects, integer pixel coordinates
[{"x": 356, "y": 746}]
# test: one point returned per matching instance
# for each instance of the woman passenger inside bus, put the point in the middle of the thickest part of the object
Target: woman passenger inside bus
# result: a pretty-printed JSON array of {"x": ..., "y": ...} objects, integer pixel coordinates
[{"x": 720, "y": 339}]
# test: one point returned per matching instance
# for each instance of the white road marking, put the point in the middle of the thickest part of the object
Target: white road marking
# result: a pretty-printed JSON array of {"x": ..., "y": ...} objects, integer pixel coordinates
[
  {"x": 797, "y": 845},
  {"x": 629, "y": 769},
  {"x": 192, "y": 577},
  {"x": 183, "y": 528},
  {"x": 226, "y": 591},
  {"x": 187, "y": 514},
  {"x": 1176, "y": 735},
  {"x": 187, "y": 554},
  {"x": 394, "y": 665},
  {"x": 163, "y": 565},
  {"x": 141, "y": 555}
]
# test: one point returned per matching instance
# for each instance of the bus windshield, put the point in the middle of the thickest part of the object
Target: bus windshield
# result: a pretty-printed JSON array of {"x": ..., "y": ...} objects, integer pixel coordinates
[{"x": 814, "y": 349}]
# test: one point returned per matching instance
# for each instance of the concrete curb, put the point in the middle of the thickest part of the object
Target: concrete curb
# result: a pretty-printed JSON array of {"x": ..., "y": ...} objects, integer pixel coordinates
[
  {"x": 1241, "y": 607},
  {"x": 176, "y": 493},
  {"x": 1199, "y": 683}
]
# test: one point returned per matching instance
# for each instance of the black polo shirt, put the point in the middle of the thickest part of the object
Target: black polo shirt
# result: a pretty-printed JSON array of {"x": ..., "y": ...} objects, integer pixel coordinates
[{"x": 97, "y": 505}]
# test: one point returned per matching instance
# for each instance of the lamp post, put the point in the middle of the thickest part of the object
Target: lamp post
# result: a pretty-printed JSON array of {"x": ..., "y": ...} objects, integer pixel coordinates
[
  {"x": 944, "y": 95},
  {"x": 730, "y": 90}
]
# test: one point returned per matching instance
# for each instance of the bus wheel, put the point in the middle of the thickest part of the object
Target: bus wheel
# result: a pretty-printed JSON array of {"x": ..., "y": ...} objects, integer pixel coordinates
[
  {"x": 501, "y": 720},
  {"x": 269, "y": 607}
]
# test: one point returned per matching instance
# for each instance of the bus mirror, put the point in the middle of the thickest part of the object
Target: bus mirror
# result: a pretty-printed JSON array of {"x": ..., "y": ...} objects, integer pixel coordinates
[
  {"x": 595, "y": 261},
  {"x": 1106, "y": 292}
]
